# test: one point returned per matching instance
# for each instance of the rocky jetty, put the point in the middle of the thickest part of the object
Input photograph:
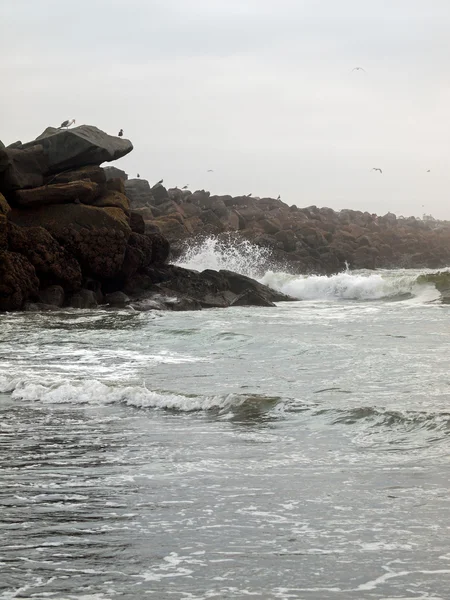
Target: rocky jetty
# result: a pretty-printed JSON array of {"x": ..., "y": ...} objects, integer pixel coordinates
[
  {"x": 69, "y": 235},
  {"x": 302, "y": 240}
]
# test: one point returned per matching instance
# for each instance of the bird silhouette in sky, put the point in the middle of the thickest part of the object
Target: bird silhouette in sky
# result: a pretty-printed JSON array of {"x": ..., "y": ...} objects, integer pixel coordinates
[
  {"x": 359, "y": 69},
  {"x": 429, "y": 171},
  {"x": 185, "y": 187},
  {"x": 210, "y": 171},
  {"x": 377, "y": 169}
]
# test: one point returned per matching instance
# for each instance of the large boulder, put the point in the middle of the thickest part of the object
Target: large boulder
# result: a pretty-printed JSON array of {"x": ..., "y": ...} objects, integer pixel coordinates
[
  {"x": 52, "y": 263},
  {"x": 59, "y": 193},
  {"x": 92, "y": 173},
  {"x": 97, "y": 237},
  {"x": 24, "y": 168},
  {"x": 18, "y": 281},
  {"x": 138, "y": 192},
  {"x": 114, "y": 173},
  {"x": 112, "y": 199},
  {"x": 80, "y": 146}
]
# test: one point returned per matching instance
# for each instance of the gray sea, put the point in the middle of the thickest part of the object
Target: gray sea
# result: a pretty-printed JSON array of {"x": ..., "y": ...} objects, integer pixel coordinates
[{"x": 298, "y": 452}]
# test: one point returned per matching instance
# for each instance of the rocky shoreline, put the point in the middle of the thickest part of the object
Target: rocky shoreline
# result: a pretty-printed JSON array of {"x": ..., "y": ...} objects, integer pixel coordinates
[
  {"x": 69, "y": 235},
  {"x": 76, "y": 234}
]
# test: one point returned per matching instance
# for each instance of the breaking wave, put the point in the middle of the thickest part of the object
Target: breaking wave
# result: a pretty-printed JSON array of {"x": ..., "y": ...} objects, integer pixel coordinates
[
  {"x": 351, "y": 286},
  {"x": 63, "y": 391},
  {"x": 254, "y": 261}
]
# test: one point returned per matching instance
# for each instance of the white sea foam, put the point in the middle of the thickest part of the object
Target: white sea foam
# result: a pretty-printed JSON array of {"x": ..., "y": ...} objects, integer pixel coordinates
[
  {"x": 63, "y": 391},
  {"x": 240, "y": 256},
  {"x": 348, "y": 286}
]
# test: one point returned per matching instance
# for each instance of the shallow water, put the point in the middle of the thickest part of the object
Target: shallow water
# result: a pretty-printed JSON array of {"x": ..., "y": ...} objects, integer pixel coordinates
[{"x": 293, "y": 453}]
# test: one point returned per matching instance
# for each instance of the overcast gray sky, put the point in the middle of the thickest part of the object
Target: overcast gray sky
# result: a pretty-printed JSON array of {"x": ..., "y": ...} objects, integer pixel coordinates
[{"x": 261, "y": 91}]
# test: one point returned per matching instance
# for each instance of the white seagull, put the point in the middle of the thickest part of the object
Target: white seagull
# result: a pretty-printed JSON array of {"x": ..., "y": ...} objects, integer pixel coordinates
[{"x": 67, "y": 124}]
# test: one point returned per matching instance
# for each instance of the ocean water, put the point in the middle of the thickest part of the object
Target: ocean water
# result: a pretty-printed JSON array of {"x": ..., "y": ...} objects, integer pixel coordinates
[{"x": 300, "y": 452}]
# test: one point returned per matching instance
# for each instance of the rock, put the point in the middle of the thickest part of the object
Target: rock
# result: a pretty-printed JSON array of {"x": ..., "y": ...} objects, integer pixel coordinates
[
  {"x": 83, "y": 299},
  {"x": 112, "y": 199},
  {"x": 160, "y": 248},
  {"x": 252, "y": 298},
  {"x": 96, "y": 237},
  {"x": 159, "y": 194},
  {"x": 114, "y": 173},
  {"x": 25, "y": 168},
  {"x": 90, "y": 172},
  {"x": 117, "y": 299},
  {"x": 52, "y": 263},
  {"x": 116, "y": 185},
  {"x": 53, "y": 295},
  {"x": 138, "y": 193},
  {"x": 39, "y": 307},
  {"x": 60, "y": 193},
  {"x": 137, "y": 222},
  {"x": 80, "y": 146},
  {"x": 3, "y": 233},
  {"x": 18, "y": 281}
]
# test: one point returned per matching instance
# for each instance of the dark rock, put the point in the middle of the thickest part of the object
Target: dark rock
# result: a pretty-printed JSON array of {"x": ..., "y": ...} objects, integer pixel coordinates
[
  {"x": 90, "y": 172},
  {"x": 138, "y": 192},
  {"x": 53, "y": 264},
  {"x": 25, "y": 169},
  {"x": 53, "y": 295},
  {"x": 18, "y": 281},
  {"x": 114, "y": 173},
  {"x": 39, "y": 307},
  {"x": 159, "y": 194},
  {"x": 116, "y": 185},
  {"x": 3, "y": 233},
  {"x": 80, "y": 146},
  {"x": 83, "y": 299},
  {"x": 60, "y": 193},
  {"x": 252, "y": 298},
  {"x": 137, "y": 222},
  {"x": 15, "y": 145},
  {"x": 160, "y": 248},
  {"x": 96, "y": 237},
  {"x": 117, "y": 299}
]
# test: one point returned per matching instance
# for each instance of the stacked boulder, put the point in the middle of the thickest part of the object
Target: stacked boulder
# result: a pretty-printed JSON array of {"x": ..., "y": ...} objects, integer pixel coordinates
[
  {"x": 303, "y": 240},
  {"x": 67, "y": 233}
]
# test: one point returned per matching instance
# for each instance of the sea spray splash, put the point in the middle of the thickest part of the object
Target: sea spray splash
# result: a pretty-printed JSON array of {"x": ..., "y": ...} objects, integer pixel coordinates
[{"x": 238, "y": 255}]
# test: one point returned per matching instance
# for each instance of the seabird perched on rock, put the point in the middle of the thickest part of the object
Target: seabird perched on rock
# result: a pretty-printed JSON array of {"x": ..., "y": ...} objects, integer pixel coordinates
[
  {"x": 138, "y": 175},
  {"x": 67, "y": 124},
  {"x": 377, "y": 169},
  {"x": 120, "y": 134},
  {"x": 248, "y": 196},
  {"x": 185, "y": 187},
  {"x": 279, "y": 197},
  {"x": 159, "y": 182}
]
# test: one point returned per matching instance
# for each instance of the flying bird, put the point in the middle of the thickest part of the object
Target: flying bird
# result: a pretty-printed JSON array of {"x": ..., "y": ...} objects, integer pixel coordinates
[
  {"x": 185, "y": 187},
  {"x": 67, "y": 124},
  {"x": 210, "y": 171},
  {"x": 429, "y": 171},
  {"x": 377, "y": 169},
  {"x": 359, "y": 69},
  {"x": 120, "y": 134}
]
